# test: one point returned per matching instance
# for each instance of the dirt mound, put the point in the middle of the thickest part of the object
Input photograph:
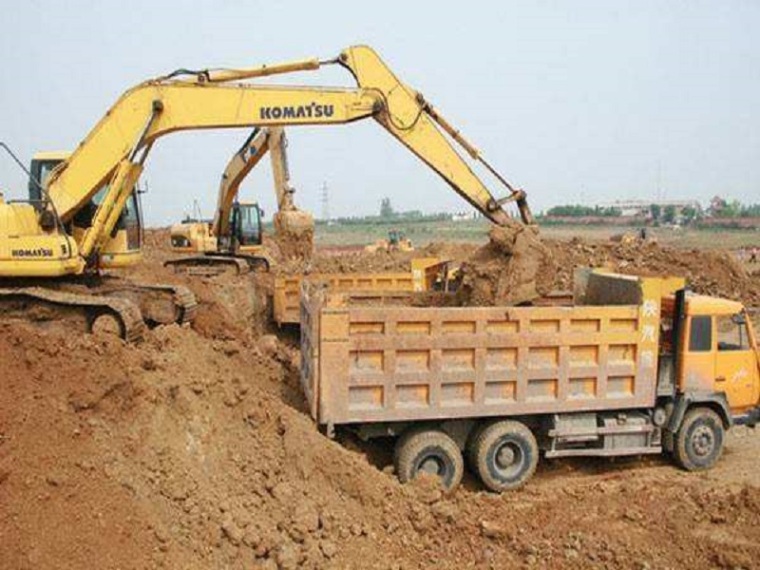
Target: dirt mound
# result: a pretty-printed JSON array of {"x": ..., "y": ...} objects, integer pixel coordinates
[
  {"x": 193, "y": 449},
  {"x": 294, "y": 231},
  {"x": 514, "y": 267},
  {"x": 351, "y": 262},
  {"x": 191, "y": 453},
  {"x": 708, "y": 272}
]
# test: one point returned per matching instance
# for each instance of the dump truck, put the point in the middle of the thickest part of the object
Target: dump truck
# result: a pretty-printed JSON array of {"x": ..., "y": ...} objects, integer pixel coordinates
[
  {"x": 426, "y": 274},
  {"x": 635, "y": 365}
]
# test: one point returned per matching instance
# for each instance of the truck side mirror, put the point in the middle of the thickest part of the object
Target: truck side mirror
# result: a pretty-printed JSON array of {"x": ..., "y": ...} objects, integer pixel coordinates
[{"x": 739, "y": 319}]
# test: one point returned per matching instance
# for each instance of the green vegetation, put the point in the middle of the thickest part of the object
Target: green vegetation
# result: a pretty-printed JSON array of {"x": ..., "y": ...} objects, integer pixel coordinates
[
  {"x": 475, "y": 231},
  {"x": 578, "y": 211},
  {"x": 736, "y": 209}
]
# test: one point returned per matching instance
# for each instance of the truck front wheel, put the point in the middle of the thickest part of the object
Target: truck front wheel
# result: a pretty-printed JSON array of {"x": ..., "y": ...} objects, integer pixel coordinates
[
  {"x": 431, "y": 452},
  {"x": 699, "y": 440},
  {"x": 504, "y": 454}
]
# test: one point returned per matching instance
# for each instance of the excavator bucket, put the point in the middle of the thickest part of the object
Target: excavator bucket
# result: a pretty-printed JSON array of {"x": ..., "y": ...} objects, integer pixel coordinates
[{"x": 294, "y": 232}]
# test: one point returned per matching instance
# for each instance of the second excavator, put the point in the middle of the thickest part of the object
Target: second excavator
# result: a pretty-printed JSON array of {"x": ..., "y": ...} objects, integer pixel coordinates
[
  {"x": 77, "y": 225},
  {"x": 234, "y": 238}
]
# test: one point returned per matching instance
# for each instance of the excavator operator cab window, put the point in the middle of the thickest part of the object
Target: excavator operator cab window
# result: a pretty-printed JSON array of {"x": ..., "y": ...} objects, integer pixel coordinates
[
  {"x": 246, "y": 224},
  {"x": 732, "y": 332},
  {"x": 129, "y": 220},
  {"x": 40, "y": 170}
]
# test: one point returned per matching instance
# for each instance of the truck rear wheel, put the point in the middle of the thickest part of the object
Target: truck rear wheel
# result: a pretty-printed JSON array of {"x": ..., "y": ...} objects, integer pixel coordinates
[
  {"x": 699, "y": 441},
  {"x": 431, "y": 452},
  {"x": 504, "y": 454}
]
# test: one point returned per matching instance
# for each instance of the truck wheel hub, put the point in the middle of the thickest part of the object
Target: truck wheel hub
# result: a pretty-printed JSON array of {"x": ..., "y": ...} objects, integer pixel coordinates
[
  {"x": 505, "y": 457},
  {"x": 431, "y": 465},
  {"x": 702, "y": 441}
]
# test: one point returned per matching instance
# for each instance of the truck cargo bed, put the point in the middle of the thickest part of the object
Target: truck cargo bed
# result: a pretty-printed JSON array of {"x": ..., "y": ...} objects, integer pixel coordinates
[
  {"x": 287, "y": 289},
  {"x": 368, "y": 364}
]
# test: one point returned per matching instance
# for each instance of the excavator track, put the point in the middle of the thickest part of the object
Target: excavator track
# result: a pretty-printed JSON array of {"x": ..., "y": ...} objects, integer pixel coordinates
[
  {"x": 208, "y": 265},
  {"x": 160, "y": 304},
  {"x": 95, "y": 312}
]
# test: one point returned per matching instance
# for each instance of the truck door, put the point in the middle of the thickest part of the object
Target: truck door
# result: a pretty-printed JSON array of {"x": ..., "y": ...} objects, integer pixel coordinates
[
  {"x": 736, "y": 371},
  {"x": 697, "y": 369}
]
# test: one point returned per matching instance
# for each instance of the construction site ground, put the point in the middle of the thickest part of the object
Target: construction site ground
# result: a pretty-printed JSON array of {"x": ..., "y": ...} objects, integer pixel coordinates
[{"x": 193, "y": 449}]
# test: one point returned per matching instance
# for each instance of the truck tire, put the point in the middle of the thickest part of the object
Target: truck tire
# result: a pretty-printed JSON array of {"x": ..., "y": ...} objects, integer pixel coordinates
[
  {"x": 429, "y": 451},
  {"x": 504, "y": 455},
  {"x": 699, "y": 440}
]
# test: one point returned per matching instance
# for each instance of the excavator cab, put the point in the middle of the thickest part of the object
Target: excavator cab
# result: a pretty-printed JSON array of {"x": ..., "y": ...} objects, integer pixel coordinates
[
  {"x": 245, "y": 225},
  {"x": 42, "y": 165},
  {"x": 123, "y": 247}
]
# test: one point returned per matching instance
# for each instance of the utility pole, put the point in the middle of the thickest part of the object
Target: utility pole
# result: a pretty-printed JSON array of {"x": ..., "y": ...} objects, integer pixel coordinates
[
  {"x": 325, "y": 203},
  {"x": 659, "y": 181}
]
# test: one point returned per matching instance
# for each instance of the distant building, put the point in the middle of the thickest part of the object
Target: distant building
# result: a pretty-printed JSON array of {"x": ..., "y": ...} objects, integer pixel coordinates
[
  {"x": 642, "y": 208},
  {"x": 465, "y": 216}
]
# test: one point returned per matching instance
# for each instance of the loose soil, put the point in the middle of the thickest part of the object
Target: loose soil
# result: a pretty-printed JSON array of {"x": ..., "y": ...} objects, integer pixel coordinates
[
  {"x": 193, "y": 449},
  {"x": 514, "y": 267}
]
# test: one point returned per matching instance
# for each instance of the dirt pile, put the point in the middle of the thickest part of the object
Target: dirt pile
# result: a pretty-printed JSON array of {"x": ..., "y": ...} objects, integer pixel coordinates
[
  {"x": 351, "y": 262},
  {"x": 708, "y": 272},
  {"x": 185, "y": 452},
  {"x": 193, "y": 449},
  {"x": 294, "y": 234},
  {"x": 513, "y": 268}
]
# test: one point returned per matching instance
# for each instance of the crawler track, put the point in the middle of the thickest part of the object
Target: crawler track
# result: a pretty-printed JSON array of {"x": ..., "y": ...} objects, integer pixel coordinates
[
  {"x": 208, "y": 265},
  {"x": 59, "y": 305},
  {"x": 160, "y": 304}
]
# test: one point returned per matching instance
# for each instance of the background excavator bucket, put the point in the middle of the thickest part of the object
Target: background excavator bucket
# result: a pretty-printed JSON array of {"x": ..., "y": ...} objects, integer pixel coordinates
[{"x": 294, "y": 232}]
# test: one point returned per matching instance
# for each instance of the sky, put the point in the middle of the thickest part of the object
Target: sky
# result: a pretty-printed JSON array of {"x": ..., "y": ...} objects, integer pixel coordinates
[{"x": 576, "y": 102}]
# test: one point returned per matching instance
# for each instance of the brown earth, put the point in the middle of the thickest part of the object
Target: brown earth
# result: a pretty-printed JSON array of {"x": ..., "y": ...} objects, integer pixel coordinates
[
  {"x": 192, "y": 449},
  {"x": 514, "y": 267},
  {"x": 294, "y": 234},
  {"x": 708, "y": 272}
]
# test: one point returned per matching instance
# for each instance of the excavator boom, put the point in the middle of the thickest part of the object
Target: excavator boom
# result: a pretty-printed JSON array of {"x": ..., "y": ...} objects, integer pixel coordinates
[
  {"x": 73, "y": 231},
  {"x": 239, "y": 166},
  {"x": 110, "y": 158},
  {"x": 205, "y": 100}
]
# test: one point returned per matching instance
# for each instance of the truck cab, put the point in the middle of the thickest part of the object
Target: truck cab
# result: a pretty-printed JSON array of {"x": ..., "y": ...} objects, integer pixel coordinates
[{"x": 719, "y": 354}]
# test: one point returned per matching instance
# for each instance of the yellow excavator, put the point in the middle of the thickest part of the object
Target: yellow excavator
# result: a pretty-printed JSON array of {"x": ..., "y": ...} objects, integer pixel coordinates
[
  {"x": 85, "y": 216},
  {"x": 40, "y": 279},
  {"x": 233, "y": 240},
  {"x": 396, "y": 241}
]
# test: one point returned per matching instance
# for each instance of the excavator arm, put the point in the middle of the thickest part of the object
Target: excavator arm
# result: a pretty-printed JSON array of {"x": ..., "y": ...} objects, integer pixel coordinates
[
  {"x": 114, "y": 151},
  {"x": 281, "y": 170},
  {"x": 291, "y": 224},
  {"x": 239, "y": 166}
]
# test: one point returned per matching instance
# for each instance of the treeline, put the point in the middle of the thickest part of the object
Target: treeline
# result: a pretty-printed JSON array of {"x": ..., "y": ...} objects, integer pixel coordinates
[
  {"x": 578, "y": 211},
  {"x": 388, "y": 215},
  {"x": 397, "y": 217},
  {"x": 736, "y": 209}
]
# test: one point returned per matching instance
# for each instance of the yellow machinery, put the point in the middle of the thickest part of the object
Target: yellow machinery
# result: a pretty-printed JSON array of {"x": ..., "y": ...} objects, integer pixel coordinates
[
  {"x": 234, "y": 237},
  {"x": 396, "y": 241},
  {"x": 31, "y": 232},
  {"x": 95, "y": 184}
]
